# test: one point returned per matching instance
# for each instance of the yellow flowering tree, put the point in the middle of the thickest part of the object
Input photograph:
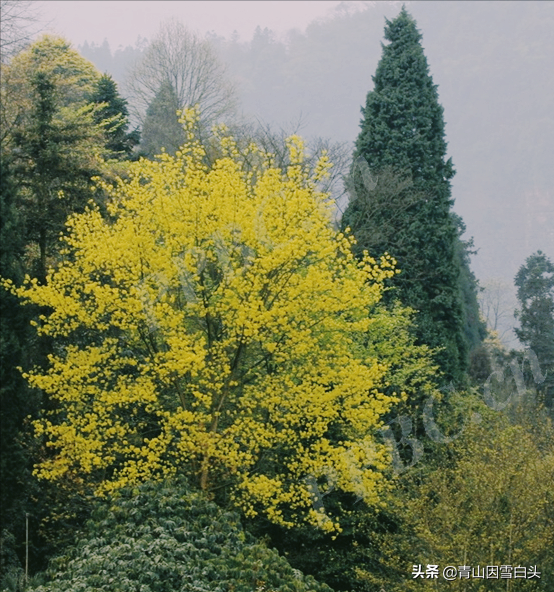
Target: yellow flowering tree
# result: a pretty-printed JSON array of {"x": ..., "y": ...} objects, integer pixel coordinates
[{"x": 214, "y": 324}]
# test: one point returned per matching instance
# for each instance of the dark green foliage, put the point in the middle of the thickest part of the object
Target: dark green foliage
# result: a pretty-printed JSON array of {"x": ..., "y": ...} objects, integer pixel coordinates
[
  {"x": 475, "y": 329},
  {"x": 20, "y": 491},
  {"x": 336, "y": 560},
  {"x": 54, "y": 154},
  {"x": 120, "y": 142},
  {"x": 11, "y": 240},
  {"x": 16, "y": 401},
  {"x": 11, "y": 384},
  {"x": 535, "y": 291},
  {"x": 488, "y": 58},
  {"x": 402, "y": 144},
  {"x": 403, "y": 123},
  {"x": 161, "y": 127},
  {"x": 163, "y": 538}
]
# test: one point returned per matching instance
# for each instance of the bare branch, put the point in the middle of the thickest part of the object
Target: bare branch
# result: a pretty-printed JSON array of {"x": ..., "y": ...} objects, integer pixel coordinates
[
  {"x": 18, "y": 24},
  {"x": 193, "y": 69}
]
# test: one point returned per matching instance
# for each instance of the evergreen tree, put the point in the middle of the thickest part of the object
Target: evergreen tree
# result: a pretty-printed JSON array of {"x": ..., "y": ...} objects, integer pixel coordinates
[
  {"x": 57, "y": 155},
  {"x": 402, "y": 140},
  {"x": 535, "y": 292},
  {"x": 114, "y": 109},
  {"x": 161, "y": 127},
  {"x": 53, "y": 141}
]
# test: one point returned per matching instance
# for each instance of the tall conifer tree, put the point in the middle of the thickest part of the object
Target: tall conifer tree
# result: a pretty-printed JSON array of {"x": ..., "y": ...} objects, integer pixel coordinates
[
  {"x": 119, "y": 140},
  {"x": 54, "y": 143},
  {"x": 407, "y": 212}
]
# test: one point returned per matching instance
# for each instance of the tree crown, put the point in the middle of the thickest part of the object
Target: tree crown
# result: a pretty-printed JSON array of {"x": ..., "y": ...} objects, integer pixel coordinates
[{"x": 216, "y": 324}]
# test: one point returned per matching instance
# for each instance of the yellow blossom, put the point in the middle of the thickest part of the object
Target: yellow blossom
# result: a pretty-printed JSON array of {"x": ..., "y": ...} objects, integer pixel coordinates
[{"x": 217, "y": 325}]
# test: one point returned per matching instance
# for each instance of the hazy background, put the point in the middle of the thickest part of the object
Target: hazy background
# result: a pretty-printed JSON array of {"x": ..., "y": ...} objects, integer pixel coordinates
[
  {"x": 312, "y": 62},
  {"x": 121, "y": 22}
]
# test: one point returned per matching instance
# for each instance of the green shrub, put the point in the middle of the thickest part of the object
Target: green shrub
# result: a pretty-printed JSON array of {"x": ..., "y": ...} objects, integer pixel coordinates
[{"x": 161, "y": 537}]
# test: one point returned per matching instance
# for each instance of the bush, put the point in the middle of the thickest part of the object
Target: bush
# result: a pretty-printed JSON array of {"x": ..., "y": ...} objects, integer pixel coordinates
[{"x": 163, "y": 538}]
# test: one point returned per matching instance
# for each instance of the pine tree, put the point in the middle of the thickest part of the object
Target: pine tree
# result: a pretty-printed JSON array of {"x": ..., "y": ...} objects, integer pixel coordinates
[
  {"x": 407, "y": 211},
  {"x": 114, "y": 109},
  {"x": 161, "y": 127}
]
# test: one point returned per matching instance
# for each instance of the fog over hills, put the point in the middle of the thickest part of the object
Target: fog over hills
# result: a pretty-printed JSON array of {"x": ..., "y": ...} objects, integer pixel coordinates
[{"x": 493, "y": 64}]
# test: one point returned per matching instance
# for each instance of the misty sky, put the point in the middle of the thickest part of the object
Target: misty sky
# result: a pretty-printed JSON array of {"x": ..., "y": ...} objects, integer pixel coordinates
[{"x": 121, "y": 23}]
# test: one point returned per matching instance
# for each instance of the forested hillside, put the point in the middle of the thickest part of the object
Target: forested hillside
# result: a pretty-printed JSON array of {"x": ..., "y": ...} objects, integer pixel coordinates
[{"x": 210, "y": 382}]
